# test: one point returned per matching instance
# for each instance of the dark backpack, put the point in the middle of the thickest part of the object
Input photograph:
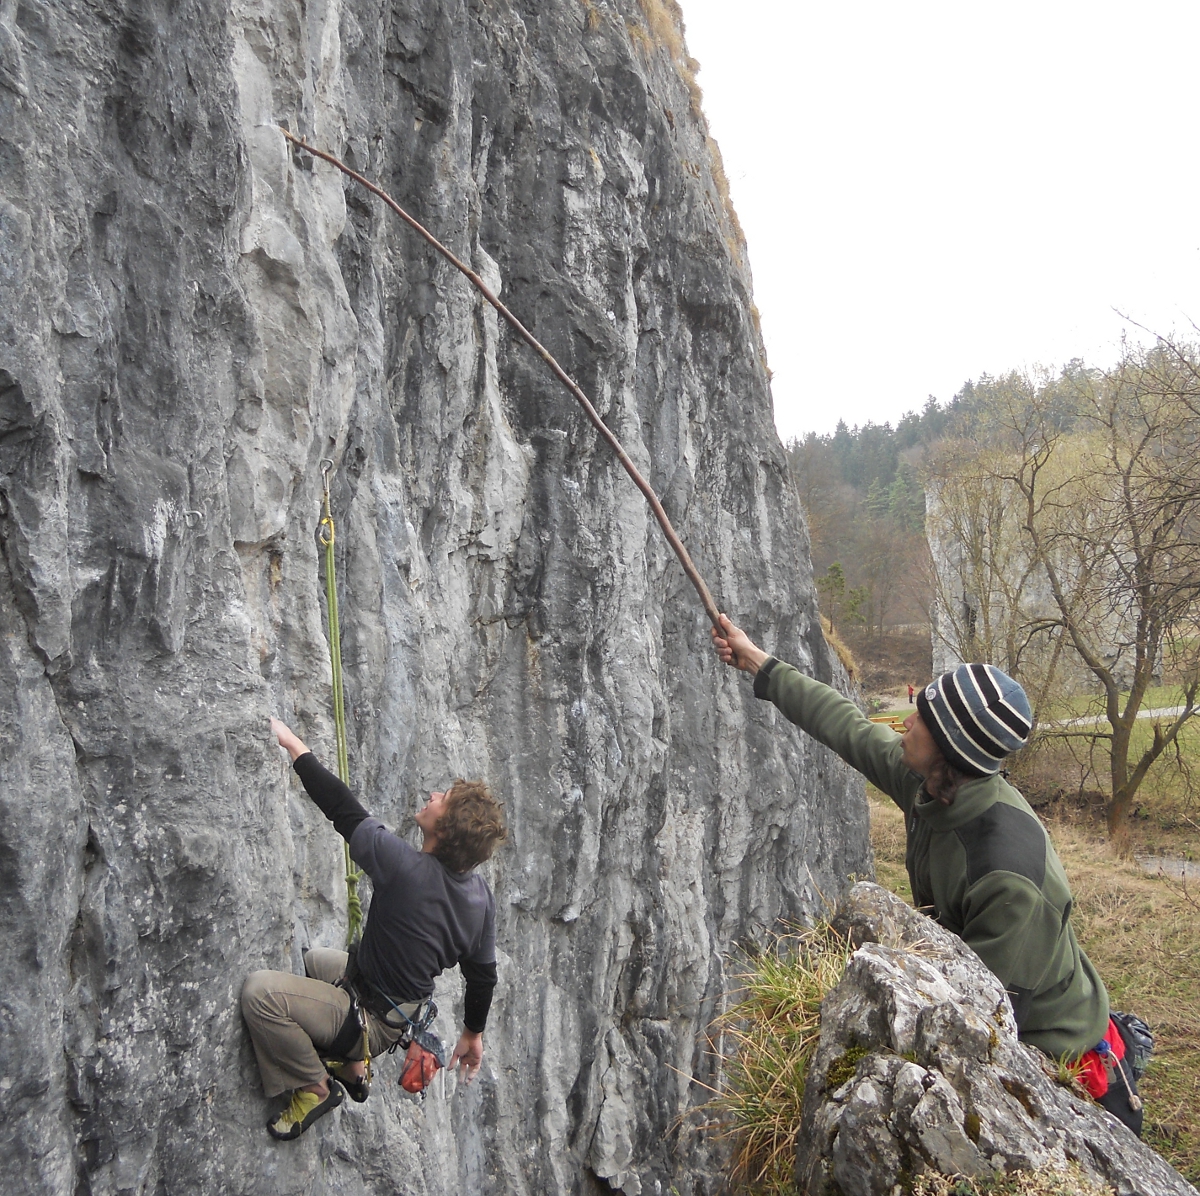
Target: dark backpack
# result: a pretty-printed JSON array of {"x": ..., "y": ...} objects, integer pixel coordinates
[{"x": 1139, "y": 1042}]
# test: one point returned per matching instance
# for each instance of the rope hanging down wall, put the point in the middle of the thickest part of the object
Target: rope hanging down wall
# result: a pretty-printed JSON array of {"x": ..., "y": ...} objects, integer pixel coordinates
[
  {"x": 710, "y": 607},
  {"x": 326, "y": 533}
]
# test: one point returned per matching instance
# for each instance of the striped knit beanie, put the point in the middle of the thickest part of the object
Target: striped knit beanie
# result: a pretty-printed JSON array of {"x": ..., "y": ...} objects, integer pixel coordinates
[{"x": 976, "y": 715}]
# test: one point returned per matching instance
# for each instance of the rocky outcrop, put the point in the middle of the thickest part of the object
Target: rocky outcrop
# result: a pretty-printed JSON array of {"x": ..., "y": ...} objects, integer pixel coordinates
[
  {"x": 191, "y": 319},
  {"x": 919, "y": 1069}
]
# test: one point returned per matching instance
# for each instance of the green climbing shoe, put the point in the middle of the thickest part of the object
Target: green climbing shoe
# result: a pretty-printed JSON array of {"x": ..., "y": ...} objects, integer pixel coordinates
[
  {"x": 303, "y": 1109},
  {"x": 357, "y": 1087}
]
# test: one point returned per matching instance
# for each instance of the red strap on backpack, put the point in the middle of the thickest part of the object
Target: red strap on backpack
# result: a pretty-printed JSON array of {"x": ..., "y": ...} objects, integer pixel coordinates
[{"x": 420, "y": 1066}]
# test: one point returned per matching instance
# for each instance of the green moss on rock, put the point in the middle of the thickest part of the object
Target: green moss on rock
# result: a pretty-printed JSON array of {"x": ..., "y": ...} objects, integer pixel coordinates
[{"x": 842, "y": 1068}]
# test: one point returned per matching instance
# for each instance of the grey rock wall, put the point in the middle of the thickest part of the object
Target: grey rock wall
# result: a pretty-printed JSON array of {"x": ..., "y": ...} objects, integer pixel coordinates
[{"x": 191, "y": 319}]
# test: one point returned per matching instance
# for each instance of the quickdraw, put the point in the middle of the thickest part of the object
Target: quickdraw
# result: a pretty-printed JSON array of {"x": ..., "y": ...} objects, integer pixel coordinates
[
  {"x": 364, "y": 1025},
  {"x": 1113, "y": 1069}
]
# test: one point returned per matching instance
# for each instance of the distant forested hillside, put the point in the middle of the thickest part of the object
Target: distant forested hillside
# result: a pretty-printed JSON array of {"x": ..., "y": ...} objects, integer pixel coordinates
[
  {"x": 863, "y": 489},
  {"x": 863, "y": 492}
]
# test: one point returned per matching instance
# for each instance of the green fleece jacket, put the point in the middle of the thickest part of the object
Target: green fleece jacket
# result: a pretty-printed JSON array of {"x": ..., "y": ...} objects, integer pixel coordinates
[{"x": 984, "y": 867}]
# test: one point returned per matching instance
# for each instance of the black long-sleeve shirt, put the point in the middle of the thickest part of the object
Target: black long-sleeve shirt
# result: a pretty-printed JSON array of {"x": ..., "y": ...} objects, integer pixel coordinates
[{"x": 423, "y": 917}]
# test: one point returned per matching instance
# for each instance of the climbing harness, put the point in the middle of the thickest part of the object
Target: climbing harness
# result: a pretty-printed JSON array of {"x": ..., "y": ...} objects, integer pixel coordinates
[
  {"x": 425, "y": 1052},
  {"x": 593, "y": 415},
  {"x": 327, "y": 534}
]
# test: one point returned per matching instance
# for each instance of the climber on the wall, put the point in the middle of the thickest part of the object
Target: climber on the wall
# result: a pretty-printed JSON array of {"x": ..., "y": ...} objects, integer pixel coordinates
[
  {"x": 978, "y": 858},
  {"x": 429, "y": 911}
]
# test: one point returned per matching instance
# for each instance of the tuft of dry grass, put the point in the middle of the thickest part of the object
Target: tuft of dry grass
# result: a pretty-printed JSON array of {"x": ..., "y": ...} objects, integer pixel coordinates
[
  {"x": 664, "y": 27},
  {"x": 664, "y": 19},
  {"x": 1046, "y": 1182},
  {"x": 736, "y": 240},
  {"x": 839, "y": 645},
  {"x": 765, "y": 1041},
  {"x": 887, "y": 844},
  {"x": 1140, "y": 932},
  {"x": 638, "y": 35}
]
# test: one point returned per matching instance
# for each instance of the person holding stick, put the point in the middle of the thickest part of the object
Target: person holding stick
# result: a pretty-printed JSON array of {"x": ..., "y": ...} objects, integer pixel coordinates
[{"x": 979, "y": 860}]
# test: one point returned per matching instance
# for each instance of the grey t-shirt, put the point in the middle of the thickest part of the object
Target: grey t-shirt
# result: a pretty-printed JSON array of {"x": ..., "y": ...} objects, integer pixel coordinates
[{"x": 424, "y": 918}]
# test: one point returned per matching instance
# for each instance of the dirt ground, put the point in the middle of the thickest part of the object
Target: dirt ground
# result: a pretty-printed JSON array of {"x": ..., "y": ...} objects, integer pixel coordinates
[{"x": 888, "y": 664}]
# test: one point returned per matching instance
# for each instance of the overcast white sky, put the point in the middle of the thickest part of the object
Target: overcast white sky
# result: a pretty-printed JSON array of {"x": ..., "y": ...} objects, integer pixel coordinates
[{"x": 932, "y": 191}]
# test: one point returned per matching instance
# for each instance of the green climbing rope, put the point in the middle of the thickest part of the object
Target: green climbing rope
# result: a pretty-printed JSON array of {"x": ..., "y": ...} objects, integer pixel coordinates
[{"x": 327, "y": 534}]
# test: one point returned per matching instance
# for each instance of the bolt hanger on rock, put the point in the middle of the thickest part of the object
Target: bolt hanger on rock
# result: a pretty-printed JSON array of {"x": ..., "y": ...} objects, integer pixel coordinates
[{"x": 710, "y": 607}]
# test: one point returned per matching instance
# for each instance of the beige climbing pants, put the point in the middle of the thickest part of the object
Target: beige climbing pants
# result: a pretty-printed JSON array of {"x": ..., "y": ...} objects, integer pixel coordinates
[{"x": 292, "y": 1019}]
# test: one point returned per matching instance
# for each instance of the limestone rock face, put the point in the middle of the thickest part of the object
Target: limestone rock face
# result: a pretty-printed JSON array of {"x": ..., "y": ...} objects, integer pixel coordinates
[
  {"x": 919, "y": 1067},
  {"x": 192, "y": 318}
]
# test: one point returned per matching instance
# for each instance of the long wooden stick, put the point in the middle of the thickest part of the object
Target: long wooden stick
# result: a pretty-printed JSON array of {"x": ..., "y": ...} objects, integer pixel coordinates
[{"x": 710, "y": 607}]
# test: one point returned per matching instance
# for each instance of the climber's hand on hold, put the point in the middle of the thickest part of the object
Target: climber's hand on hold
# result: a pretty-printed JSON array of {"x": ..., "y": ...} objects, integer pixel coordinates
[
  {"x": 736, "y": 648},
  {"x": 288, "y": 739},
  {"x": 468, "y": 1055}
]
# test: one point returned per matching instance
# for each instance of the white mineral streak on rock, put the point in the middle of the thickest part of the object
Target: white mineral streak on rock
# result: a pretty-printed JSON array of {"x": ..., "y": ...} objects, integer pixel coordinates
[
  {"x": 192, "y": 317},
  {"x": 940, "y": 1081}
]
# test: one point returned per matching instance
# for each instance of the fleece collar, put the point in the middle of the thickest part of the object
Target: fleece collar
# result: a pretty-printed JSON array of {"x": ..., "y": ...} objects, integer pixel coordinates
[{"x": 972, "y": 798}]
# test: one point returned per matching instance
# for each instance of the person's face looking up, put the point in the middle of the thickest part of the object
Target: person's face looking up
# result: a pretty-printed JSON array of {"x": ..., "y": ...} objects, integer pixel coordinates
[{"x": 917, "y": 748}]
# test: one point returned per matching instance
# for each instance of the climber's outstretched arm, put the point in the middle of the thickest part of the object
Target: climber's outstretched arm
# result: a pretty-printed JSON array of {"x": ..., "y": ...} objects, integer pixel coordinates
[
  {"x": 333, "y": 797},
  {"x": 477, "y": 1001}
]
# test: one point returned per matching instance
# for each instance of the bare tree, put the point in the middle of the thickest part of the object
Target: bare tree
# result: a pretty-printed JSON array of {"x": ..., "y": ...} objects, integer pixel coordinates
[
  {"x": 1078, "y": 526},
  {"x": 884, "y": 554},
  {"x": 990, "y": 598}
]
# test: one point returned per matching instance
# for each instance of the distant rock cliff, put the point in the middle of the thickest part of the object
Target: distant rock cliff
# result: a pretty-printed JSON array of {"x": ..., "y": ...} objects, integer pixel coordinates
[{"x": 191, "y": 318}]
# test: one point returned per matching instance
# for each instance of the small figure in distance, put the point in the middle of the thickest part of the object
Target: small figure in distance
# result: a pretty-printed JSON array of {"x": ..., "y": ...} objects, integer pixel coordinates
[
  {"x": 979, "y": 860},
  {"x": 429, "y": 911},
  {"x": 911, "y": 691}
]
